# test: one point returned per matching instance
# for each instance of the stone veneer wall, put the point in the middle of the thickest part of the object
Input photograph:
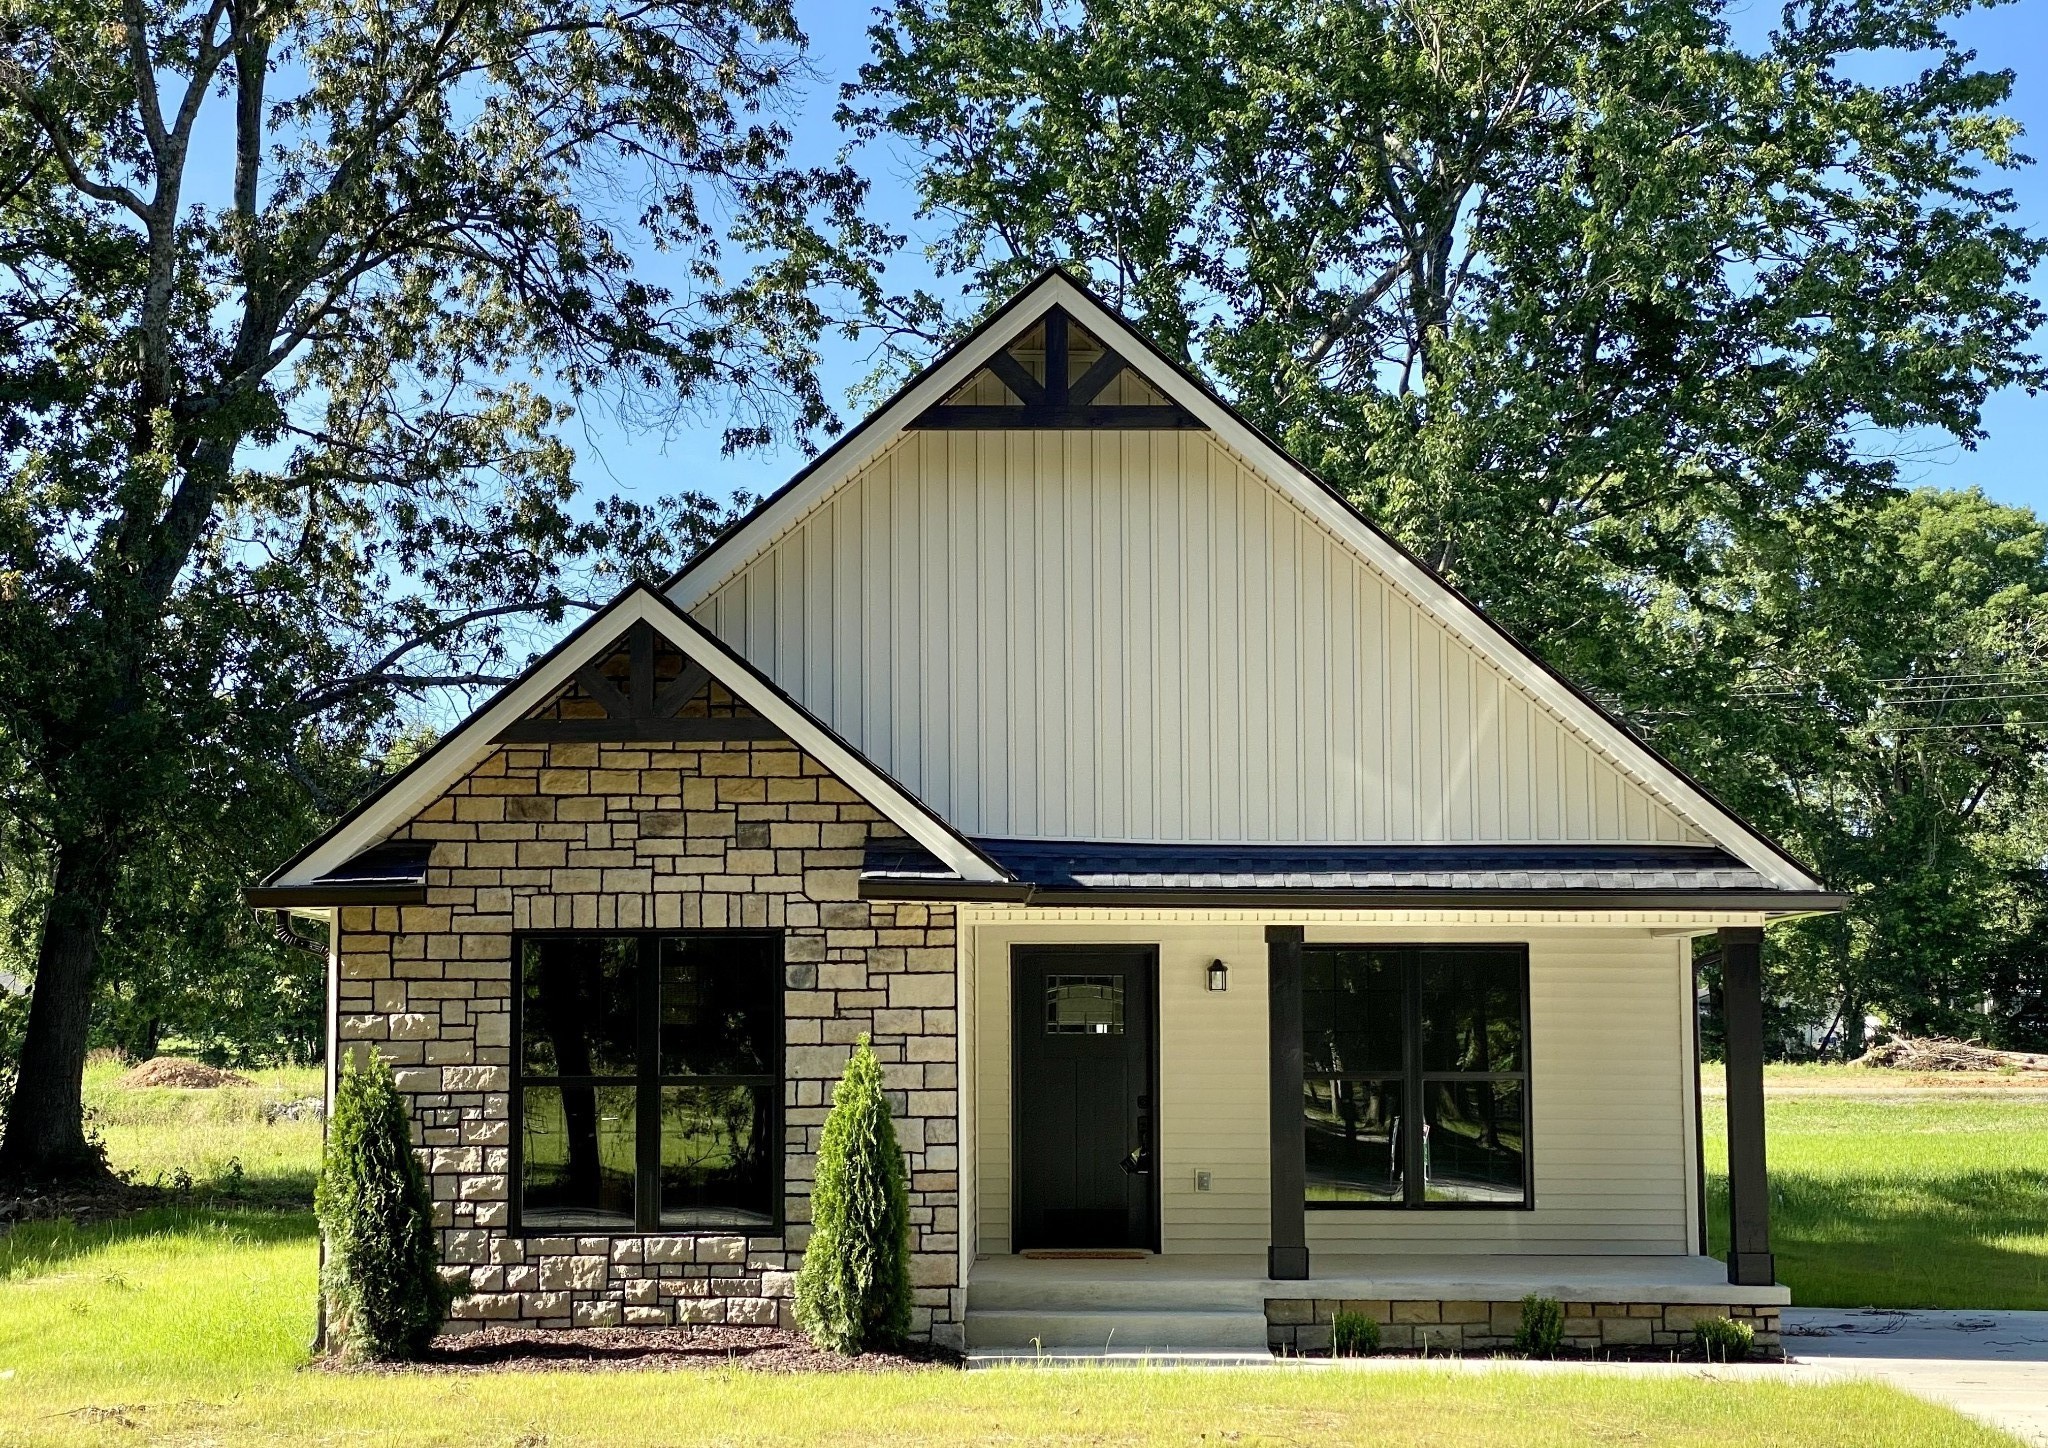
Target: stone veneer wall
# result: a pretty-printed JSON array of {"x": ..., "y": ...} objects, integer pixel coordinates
[
  {"x": 610, "y": 836},
  {"x": 1302, "y": 1325}
]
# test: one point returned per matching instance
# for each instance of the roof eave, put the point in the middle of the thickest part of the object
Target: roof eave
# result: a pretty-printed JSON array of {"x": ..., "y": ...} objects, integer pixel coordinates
[
  {"x": 1774, "y": 902},
  {"x": 328, "y": 897}
]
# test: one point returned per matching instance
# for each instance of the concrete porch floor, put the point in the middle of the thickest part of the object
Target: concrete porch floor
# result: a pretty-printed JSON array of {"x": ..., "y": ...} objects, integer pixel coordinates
[
  {"x": 1197, "y": 1304},
  {"x": 1226, "y": 1283}
]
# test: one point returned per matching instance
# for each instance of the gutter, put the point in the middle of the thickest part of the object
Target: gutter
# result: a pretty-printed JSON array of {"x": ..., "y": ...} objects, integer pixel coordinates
[
  {"x": 326, "y": 897},
  {"x": 1777, "y": 902}
]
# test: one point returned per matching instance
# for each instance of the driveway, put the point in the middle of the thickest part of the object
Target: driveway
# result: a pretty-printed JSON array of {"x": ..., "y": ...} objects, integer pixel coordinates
[{"x": 1990, "y": 1365}]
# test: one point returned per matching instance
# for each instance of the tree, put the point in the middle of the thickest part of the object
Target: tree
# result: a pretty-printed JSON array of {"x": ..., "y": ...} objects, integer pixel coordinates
[
  {"x": 296, "y": 305},
  {"x": 1866, "y": 682},
  {"x": 382, "y": 1276},
  {"x": 1554, "y": 288},
  {"x": 853, "y": 1290}
]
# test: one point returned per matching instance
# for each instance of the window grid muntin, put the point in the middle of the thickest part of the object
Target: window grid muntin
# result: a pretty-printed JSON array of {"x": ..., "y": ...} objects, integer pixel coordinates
[
  {"x": 1414, "y": 1081},
  {"x": 648, "y": 1083}
]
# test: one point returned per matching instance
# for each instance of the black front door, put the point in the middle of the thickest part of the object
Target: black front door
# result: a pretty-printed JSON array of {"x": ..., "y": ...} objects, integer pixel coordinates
[{"x": 1082, "y": 1024}]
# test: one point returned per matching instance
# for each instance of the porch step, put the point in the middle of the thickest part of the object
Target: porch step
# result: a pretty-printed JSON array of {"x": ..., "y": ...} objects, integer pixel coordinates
[{"x": 1068, "y": 1331}]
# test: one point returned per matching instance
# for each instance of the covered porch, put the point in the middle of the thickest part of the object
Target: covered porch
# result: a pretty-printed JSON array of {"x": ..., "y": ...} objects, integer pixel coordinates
[{"x": 1237, "y": 1241}]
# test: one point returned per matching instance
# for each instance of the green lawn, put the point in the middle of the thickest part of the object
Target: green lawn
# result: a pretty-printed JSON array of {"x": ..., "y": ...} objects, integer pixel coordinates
[
  {"x": 1888, "y": 1193},
  {"x": 189, "y": 1326},
  {"x": 170, "y": 1137}
]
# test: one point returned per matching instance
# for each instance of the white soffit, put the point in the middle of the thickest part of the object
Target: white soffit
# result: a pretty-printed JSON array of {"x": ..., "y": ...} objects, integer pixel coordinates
[
  {"x": 461, "y": 751},
  {"x": 733, "y": 552}
]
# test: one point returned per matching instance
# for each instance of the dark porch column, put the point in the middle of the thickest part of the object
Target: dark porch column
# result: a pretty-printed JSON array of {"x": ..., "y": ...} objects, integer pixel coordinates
[
  {"x": 1287, "y": 1256},
  {"x": 1742, "y": 1015}
]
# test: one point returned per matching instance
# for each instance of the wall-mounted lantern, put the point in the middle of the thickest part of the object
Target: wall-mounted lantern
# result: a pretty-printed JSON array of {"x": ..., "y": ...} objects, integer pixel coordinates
[{"x": 1219, "y": 975}]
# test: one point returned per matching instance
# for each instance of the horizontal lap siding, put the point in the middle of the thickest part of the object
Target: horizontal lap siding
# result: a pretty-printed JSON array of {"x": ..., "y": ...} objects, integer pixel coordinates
[
  {"x": 1611, "y": 1139},
  {"x": 1212, "y": 1099},
  {"x": 1131, "y": 636}
]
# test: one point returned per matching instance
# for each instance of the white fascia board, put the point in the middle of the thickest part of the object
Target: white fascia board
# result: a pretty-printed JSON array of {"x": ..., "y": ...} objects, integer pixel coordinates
[
  {"x": 1337, "y": 518},
  {"x": 477, "y": 736}
]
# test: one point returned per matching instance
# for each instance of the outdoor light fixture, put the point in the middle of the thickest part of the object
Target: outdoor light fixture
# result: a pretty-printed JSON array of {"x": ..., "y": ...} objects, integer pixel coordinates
[{"x": 1219, "y": 975}]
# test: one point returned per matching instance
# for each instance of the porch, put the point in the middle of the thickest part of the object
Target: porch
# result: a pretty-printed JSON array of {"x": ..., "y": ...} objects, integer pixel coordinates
[{"x": 1198, "y": 1303}]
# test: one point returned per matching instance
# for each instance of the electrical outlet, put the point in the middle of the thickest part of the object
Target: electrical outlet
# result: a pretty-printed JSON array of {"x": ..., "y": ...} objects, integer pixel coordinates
[{"x": 1201, "y": 1181}]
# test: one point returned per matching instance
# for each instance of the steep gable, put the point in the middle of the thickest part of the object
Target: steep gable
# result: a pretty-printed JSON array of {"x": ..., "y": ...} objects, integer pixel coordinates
[
  {"x": 1072, "y": 628},
  {"x": 1132, "y": 636}
]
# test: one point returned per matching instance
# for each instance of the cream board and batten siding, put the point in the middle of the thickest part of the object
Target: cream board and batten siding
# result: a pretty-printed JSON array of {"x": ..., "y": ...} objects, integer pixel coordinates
[
  {"x": 1612, "y": 1138},
  {"x": 1133, "y": 636}
]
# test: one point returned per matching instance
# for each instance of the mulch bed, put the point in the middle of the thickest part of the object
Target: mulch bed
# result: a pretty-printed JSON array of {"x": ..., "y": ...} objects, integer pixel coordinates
[{"x": 639, "y": 1349}]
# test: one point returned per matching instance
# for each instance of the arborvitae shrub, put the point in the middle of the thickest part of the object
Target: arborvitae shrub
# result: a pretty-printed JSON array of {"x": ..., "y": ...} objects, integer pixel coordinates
[
  {"x": 1353, "y": 1334},
  {"x": 1542, "y": 1329},
  {"x": 1724, "y": 1339},
  {"x": 853, "y": 1290},
  {"x": 384, "y": 1290}
]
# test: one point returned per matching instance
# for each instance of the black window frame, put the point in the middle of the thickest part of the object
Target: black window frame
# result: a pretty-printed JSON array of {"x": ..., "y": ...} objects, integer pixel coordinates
[
  {"x": 1414, "y": 1079},
  {"x": 647, "y": 1082}
]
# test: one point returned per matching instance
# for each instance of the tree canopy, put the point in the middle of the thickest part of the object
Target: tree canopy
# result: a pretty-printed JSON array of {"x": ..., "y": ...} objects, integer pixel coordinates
[{"x": 297, "y": 302}]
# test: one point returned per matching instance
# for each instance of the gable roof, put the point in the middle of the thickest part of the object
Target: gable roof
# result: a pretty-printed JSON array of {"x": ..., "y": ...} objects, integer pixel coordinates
[
  {"x": 751, "y": 536},
  {"x": 331, "y": 869}
]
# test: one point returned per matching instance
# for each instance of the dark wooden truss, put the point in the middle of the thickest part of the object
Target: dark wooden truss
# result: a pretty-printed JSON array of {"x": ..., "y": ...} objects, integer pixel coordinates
[
  {"x": 1058, "y": 402},
  {"x": 645, "y": 708}
]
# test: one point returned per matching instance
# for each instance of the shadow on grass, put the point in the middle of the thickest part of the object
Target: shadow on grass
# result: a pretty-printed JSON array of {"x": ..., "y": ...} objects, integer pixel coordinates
[
  {"x": 33, "y": 1248},
  {"x": 1902, "y": 1240}
]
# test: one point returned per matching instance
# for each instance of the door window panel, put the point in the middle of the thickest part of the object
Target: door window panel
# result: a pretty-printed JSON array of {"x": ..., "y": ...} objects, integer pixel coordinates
[{"x": 1084, "y": 1005}]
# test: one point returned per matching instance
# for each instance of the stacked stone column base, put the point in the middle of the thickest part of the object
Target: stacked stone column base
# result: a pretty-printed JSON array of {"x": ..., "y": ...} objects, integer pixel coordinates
[{"x": 1302, "y": 1326}]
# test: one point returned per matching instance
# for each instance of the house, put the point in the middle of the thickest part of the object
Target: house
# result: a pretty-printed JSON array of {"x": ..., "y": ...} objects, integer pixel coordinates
[{"x": 1248, "y": 925}]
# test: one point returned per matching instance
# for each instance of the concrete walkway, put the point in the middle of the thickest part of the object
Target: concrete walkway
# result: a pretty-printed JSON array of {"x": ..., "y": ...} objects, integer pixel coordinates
[{"x": 1990, "y": 1365}]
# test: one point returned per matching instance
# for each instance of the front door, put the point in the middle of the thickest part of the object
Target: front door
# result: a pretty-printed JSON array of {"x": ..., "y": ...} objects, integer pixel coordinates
[{"x": 1082, "y": 1023}]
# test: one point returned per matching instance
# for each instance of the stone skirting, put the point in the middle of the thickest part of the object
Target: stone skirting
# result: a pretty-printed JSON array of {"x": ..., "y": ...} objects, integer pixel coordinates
[
  {"x": 1302, "y": 1325},
  {"x": 586, "y": 836}
]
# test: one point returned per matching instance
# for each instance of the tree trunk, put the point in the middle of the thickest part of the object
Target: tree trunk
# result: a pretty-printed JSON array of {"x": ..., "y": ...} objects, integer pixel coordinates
[{"x": 45, "y": 1139}]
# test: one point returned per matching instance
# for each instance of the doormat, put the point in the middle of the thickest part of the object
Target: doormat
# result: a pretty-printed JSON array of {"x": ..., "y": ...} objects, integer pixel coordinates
[{"x": 1101, "y": 1254}]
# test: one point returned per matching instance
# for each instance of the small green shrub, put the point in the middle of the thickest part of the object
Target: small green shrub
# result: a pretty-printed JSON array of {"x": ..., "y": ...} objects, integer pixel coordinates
[
  {"x": 853, "y": 1290},
  {"x": 382, "y": 1279},
  {"x": 1724, "y": 1339},
  {"x": 1542, "y": 1331},
  {"x": 1353, "y": 1334}
]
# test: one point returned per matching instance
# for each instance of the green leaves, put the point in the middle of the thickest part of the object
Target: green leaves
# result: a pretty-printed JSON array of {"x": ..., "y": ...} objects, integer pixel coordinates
[
  {"x": 853, "y": 1290},
  {"x": 382, "y": 1274},
  {"x": 298, "y": 309}
]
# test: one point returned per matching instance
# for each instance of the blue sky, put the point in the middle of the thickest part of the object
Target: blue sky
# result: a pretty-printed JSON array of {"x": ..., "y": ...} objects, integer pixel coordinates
[{"x": 2011, "y": 463}]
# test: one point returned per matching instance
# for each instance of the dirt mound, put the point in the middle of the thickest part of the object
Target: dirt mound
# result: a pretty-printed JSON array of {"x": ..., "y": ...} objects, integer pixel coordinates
[
  {"x": 190, "y": 1075},
  {"x": 1932, "y": 1053}
]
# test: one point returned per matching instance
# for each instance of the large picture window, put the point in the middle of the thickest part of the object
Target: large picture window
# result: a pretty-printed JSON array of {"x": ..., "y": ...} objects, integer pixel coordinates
[
  {"x": 1415, "y": 1076},
  {"x": 649, "y": 1081}
]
